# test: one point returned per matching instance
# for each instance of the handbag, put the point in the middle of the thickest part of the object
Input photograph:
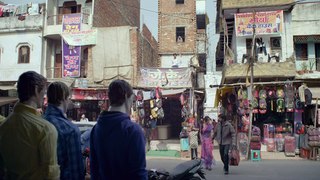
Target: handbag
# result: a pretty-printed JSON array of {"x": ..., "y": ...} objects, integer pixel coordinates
[{"x": 234, "y": 157}]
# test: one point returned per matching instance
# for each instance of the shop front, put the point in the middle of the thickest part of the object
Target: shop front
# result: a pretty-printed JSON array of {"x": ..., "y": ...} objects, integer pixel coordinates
[
  {"x": 172, "y": 99},
  {"x": 88, "y": 101}
]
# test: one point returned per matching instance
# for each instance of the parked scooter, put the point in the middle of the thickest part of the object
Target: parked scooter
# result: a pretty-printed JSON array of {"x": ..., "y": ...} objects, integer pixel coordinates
[{"x": 189, "y": 170}]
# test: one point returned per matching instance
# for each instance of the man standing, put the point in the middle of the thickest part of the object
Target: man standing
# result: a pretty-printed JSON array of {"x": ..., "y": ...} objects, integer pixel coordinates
[
  {"x": 117, "y": 145},
  {"x": 69, "y": 146},
  {"x": 225, "y": 136},
  {"x": 28, "y": 142}
]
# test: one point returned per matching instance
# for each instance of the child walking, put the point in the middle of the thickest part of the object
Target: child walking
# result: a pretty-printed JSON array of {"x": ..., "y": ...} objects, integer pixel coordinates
[{"x": 193, "y": 139}]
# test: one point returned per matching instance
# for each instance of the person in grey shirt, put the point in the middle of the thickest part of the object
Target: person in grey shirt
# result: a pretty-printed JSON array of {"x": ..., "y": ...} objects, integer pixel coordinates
[{"x": 225, "y": 135}]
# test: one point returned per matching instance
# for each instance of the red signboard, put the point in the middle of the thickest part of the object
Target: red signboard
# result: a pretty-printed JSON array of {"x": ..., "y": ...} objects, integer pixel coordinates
[{"x": 89, "y": 94}]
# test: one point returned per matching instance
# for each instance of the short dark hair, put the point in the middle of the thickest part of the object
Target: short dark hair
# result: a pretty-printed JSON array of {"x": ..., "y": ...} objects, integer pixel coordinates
[
  {"x": 118, "y": 91},
  {"x": 27, "y": 83},
  {"x": 57, "y": 92},
  {"x": 207, "y": 118},
  {"x": 223, "y": 117}
]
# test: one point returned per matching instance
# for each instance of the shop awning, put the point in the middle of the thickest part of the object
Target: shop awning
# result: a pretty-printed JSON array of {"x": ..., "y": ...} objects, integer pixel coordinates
[
  {"x": 315, "y": 92},
  {"x": 7, "y": 100},
  {"x": 221, "y": 92},
  {"x": 67, "y": 81},
  {"x": 5, "y": 88},
  {"x": 234, "y": 72}
]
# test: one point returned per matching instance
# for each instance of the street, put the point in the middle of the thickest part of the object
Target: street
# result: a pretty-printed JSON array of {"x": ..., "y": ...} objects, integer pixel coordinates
[{"x": 247, "y": 170}]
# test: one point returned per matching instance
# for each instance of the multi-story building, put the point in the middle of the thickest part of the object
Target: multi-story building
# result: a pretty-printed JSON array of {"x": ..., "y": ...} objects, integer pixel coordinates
[
  {"x": 85, "y": 43},
  {"x": 20, "y": 47}
]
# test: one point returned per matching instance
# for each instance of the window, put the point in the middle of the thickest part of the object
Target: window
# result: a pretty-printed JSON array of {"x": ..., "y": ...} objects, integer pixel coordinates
[
  {"x": 301, "y": 51},
  {"x": 201, "y": 21},
  {"x": 275, "y": 42},
  {"x": 180, "y": 34},
  {"x": 179, "y": 1},
  {"x": 24, "y": 54}
]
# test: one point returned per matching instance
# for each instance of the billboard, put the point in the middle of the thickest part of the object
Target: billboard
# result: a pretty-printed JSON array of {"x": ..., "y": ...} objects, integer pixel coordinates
[
  {"x": 71, "y": 55},
  {"x": 270, "y": 22}
]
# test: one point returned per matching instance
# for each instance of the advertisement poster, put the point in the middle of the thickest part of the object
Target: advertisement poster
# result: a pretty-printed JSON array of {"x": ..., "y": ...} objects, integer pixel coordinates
[
  {"x": 71, "y": 55},
  {"x": 81, "y": 38},
  {"x": 165, "y": 77},
  {"x": 270, "y": 22}
]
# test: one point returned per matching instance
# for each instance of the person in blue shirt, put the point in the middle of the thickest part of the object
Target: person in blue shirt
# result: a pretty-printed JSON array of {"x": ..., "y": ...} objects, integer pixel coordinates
[
  {"x": 69, "y": 146},
  {"x": 85, "y": 140},
  {"x": 117, "y": 145}
]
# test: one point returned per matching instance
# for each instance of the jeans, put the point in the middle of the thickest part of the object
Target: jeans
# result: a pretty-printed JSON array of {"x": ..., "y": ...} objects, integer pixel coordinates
[
  {"x": 194, "y": 153},
  {"x": 224, "y": 154}
]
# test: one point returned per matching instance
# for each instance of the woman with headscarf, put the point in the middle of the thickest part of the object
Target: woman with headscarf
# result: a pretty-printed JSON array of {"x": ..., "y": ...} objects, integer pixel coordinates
[{"x": 206, "y": 143}]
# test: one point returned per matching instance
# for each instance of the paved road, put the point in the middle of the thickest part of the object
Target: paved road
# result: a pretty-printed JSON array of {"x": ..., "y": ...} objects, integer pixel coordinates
[{"x": 247, "y": 170}]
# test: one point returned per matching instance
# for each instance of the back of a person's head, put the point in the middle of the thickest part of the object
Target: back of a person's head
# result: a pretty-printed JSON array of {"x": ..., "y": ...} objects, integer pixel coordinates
[
  {"x": 57, "y": 92},
  {"x": 207, "y": 119},
  {"x": 223, "y": 117},
  {"x": 118, "y": 92},
  {"x": 27, "y": 84}
]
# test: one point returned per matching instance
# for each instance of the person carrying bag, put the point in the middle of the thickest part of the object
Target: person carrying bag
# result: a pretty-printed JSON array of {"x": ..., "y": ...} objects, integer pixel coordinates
[{"x": 226, "y": 137}]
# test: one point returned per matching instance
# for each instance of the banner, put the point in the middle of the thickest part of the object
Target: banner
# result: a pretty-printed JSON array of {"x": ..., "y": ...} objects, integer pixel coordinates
[
  {"x": 166, "y": 77},
  {"x": 270, "y": 22},
  {"x": 71, "y": 55},
  {"x": 81, "y": 38}
]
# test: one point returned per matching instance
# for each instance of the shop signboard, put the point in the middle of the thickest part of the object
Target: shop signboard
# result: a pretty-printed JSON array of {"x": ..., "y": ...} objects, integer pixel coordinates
[
  {"x": 71, "y": 55},
  {"x": 166, "y": 77},
  {"x": 270, "y": 22},
  {"x": 81, "y": 38},
  {"x": 89, "y": 94}
]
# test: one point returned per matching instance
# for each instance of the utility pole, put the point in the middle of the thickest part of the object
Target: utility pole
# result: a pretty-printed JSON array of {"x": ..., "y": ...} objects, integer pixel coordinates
[{"x": 250, "y": 90}]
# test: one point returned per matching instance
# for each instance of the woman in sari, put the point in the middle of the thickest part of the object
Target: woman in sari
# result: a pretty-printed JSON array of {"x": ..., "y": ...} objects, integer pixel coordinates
[{"x": 206, "y": 143}]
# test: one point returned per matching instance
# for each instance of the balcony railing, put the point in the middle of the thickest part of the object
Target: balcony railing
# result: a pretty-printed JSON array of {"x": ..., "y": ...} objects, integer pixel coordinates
[
  {"x": 308, "y": 64},
  {"x": 57, "y": 19}
]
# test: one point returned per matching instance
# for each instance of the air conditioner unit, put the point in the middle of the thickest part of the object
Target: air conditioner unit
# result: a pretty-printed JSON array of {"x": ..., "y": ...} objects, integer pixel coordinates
[{"x": 262, "y": 58}]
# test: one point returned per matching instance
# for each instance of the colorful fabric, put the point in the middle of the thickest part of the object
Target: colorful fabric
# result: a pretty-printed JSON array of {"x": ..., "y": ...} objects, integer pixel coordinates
[
  {"x": 69, "y": 146},
  {"x": 207, "y": 146},
  {"x": 28, "y": 145}
]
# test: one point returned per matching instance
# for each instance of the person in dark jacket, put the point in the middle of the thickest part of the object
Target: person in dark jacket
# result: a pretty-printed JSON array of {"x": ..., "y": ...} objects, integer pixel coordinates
[
  {"x": 225, "y": 135},
  {"x": 117, "y": 145},
  {"x": 69, "y": 146}
]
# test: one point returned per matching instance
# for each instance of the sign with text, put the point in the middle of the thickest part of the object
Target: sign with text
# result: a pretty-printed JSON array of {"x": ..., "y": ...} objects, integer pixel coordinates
[
  {"x": 71, "y": 55},
  {"x": 166, "y": 77},
  {"x": 270, "y": 22},
  {"x": 81, "y": 38}
]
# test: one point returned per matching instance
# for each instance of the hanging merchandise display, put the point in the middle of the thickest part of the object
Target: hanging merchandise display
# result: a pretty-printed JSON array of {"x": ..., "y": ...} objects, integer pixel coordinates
[
  {"x": 262, "y": 101},
  {"x": 280, "y": 100},
  {"x": 289, "y": 97}
]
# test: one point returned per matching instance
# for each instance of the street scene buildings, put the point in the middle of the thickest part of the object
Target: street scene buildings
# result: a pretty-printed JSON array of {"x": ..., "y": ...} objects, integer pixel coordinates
[{"x": 258, "y": 62}]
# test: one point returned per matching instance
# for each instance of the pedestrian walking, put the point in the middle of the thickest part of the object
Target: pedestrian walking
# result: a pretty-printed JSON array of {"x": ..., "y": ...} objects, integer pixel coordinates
[
  {"x": 225, "y": 135},
  {"x": 69, "y": 146},
  {"x": 28, "y": 142},
  {"x": 193, "y": 139},
  {"x": 117, "y": 145},
  {"x": 206, "y": 143}
]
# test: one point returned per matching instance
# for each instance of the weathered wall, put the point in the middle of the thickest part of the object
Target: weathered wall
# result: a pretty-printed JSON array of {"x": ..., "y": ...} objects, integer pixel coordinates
[
  {"x": 228, "y": 4},
  {"x": 116, "y": 13},
  {"x": 176, "y": 15}
]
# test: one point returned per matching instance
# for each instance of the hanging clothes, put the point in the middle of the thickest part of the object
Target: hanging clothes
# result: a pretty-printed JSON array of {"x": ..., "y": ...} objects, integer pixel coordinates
[{"x": 301, "y": 93}]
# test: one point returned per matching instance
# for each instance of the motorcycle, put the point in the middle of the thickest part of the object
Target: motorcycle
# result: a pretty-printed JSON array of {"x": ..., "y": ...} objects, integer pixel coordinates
[{"x": 185, "y": 171}]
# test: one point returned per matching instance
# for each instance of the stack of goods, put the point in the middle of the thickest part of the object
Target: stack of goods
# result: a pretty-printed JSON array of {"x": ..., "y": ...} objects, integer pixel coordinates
[
  {"x": 242, "y": 143},
  {"x": 289, "y": 146},
  {"x": 270, "y": 145},
  {"x": 185, "y": 111},
  {"x": 268, "y": 132},
  {"x": 139, "y": 105},
  {"x": 314, "y": 137},
  {"x": 255, "y": 143},
  {"x": 279, "y": 142}
]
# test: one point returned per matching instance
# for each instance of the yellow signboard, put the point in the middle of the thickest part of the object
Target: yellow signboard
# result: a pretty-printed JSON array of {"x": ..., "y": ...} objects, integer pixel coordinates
[{"x": 270, "y": 22}]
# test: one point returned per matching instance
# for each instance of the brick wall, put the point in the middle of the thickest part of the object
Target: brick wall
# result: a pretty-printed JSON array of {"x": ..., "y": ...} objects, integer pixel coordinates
[
  {"x": 172, "y": 15},
  {"x": 109, "y": 13},
  {"x": 144, "y": 51}
]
